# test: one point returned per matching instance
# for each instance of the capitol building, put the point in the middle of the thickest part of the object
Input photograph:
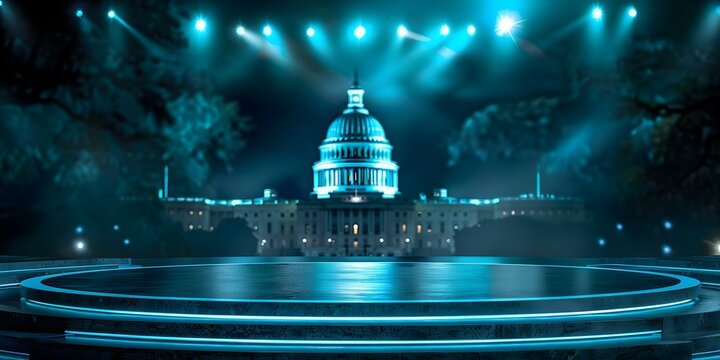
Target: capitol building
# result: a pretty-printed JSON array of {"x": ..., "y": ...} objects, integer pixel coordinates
[{"x": 356, "y": 207}]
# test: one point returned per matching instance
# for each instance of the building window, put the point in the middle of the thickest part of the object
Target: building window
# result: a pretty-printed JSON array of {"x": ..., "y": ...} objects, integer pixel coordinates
[
  {"x": 346, "y": 229},
  {"x": 282, "y": 228},
  {"x": 404, "y": 228},
  {"x": 307, "y": 228},
  {"x": 419, "y": 228},
  {"x": 429, "y": 228},
  {"x": 356, "y": 229},
  {"x": 269, "y": 227}
]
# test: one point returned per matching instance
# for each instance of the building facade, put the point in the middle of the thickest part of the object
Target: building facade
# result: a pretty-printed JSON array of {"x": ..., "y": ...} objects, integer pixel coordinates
[{"x": 356, "y": 208}]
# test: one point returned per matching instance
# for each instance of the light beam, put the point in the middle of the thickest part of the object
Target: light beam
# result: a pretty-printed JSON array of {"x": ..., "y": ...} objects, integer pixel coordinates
[{"x": 359, "y": 32}]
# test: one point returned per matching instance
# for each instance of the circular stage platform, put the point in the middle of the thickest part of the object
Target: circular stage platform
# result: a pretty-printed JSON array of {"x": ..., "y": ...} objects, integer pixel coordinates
[
  {"x": 260, "y": 307},
  {"x": 360, "y": 291}
]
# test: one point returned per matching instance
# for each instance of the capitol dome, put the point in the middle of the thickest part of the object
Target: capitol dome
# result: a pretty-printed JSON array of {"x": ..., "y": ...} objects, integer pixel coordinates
[{"x": 355, "y": 157}]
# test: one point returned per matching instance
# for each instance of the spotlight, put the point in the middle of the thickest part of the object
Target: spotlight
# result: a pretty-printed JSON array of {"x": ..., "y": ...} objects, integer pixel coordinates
[
  {"x": 402, "y": 31},
  {"x": 619, "y": 227},
  {"x": 471, "y": 30},
  {"x": 359, "y": 32},
  {"x": 632, "y": 12},
  {"x": 80, "y": 245},
  {"x": 505, "y": 25},
  {"x": 444, "y": 30},
  {"x": 116, "y": 227},
  {"x": 597, "y": 13},
  {"x": 601, "y": 242},
  {"x": 240, "y": 30},
  {"x": 267, "y": 30},
  {"x": 111, "y": 14},
  {"x": 79, "y": 13},
  {"x": 126, "y": 242},
  {"x": 200, "y": 25},
  {"x": 310, "y": 32},
  {"x": 79, "y": 229}
]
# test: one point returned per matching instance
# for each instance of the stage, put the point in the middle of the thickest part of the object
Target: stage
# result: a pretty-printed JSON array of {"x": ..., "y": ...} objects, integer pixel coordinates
[{"x": 500, "y": 307}]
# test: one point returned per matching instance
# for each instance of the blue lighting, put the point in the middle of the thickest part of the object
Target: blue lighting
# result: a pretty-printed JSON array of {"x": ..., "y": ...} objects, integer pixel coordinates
[
  {"x": 444, "y": 30},
  {"x": 619, "y": 227},
  {"x": 111, "y": 14},
  {"x": 267, "y": 30},
  {"x": 116, "y": 227},
  {"x": 666, "y": 250},
  {"x": 310, "y": 32},
  {"x": 505, "y": 25},
  {"x": 240, "y": 30},
  {"x": 471, "y": 30},
  {"x": 200, "y": 25},
  {"x": 359, "y": 32},
  {"x": 79, "y": 13},
  {"x": 601, "y": 242},
  {"x": 632, "y": 12},
  {"x": 79, "y": 229},
  {"x": 717, "y": 9},
  {"x": 126, "y": 242},
  {"x": 80, "y": 245},
  {"x": 320, "y": 342},
  {"x": 597, "y": 13},
  {"x": 667, "y": 225},
  {"x": 402, "y": 31},
  {"x": 1, "y": 3}
]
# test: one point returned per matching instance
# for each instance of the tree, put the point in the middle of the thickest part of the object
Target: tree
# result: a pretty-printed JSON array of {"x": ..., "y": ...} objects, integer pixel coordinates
[{"x": 89, "y": 101}]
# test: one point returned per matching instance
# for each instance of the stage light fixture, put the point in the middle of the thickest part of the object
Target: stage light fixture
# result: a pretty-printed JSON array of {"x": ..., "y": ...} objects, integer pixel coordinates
[
  {"x": 402, "y": 31},
  {"x": 597, "y": 13},
  {"x": 601, "y": 242},
  {"x": 111, "y": 14},
  {"x": 471, "y": 30},
  {"x": 359, "y": 32},
  {"x": 267, "y": 30},
  {"x": 79, "y": 245},
  {"x": 505, "y": 25},
  {"x": 310, "y": 32},
  {"x": 200, "y": 25},
  {"x": 667, "y": 225},
  {"x": 240, "y": 30},
  {"x": 666, "y": 250},
  {"x": 79, "y": 13},
  {"x": 444, "y": 30},
  {"x": 126, "y": 242},
  {"x": 632, "y": 12}
]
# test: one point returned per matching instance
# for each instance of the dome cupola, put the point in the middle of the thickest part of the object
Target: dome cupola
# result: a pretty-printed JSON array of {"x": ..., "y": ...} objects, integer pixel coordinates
[{"x": 355, "y": 157}]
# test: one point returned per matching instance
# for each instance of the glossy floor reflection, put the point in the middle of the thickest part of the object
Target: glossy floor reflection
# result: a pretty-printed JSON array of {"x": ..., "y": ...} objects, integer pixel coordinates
[{"x": 361, "y": 281}]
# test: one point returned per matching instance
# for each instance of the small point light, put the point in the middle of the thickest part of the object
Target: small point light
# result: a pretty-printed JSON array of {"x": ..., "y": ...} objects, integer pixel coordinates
[
  {"x": 444, "y": 30},
  {"x": 667, "y": 225},
  {"x": 80, "y": 245},
  {"x": 597, "y": 13},
  {"x": 310, "y": 32},
  {"x": 359, "y": 32},
  {"x": 111, "y": 14},
  {"x": 304, "y": 240},
  {"x": 240, "y": 30},
  {"x": 666, "y": 250},
  {"x": 402, "y": 31},
  {"x": 126, "y": 242},
  {"x": 381, "y": 240},
  {"x": 79, "y": 13},
  {"x": 116, "y": 227},
  {"x": 267, "y": 30},
  {"x": 79, "y": 229},
  {"x": 471, "y": 30},
  {"x": 632, "y": 12},
  {"x": 717, "y": 248},
  {"x": 200, "y": 25},
  {"x": 329, "y": 240},
  {"x": 407, "y": 240},
  {"x": 619, "y": 227},
  {"x": 601, "y": 242}
]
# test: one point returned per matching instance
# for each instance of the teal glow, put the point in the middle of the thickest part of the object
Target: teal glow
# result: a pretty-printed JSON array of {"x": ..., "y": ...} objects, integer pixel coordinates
[
  {"x": 79, "y": 229},
  {"x": 597, "y": 13},
  {"x": 667, "y": 225},
  {"x": 267, "y": 30},
  {"x": 79, "y": 13},
  {"x": 445, "y": 30},
  {"x": 632, "y": 12},
  {"x": 402, "y": 31},
  {"x": 240, "y": 30},
  {"x": 359, "y": 32},
  {"x": 653, "y": 333},
  {"x": 111, "y": 14},
  {"x": 471, "y": 30},
  {"x": 200, "y": 25}
]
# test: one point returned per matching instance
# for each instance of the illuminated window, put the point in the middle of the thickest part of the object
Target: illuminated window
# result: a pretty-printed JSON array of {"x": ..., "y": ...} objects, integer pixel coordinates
[
  {"x": 512, "y": 212},
  {"x": 404, "y": 228},
  {"x": 429, "y": 228},
  {"x": 419, "y": 228},
  {"x": 355, "y": 244},
  {"x": 346, "y": 228},
  {"x": 356, "y": 229}
]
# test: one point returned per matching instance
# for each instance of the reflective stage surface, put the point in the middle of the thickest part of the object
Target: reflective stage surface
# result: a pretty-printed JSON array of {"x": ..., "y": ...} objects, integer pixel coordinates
[{"x": 361, "y": 281}]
